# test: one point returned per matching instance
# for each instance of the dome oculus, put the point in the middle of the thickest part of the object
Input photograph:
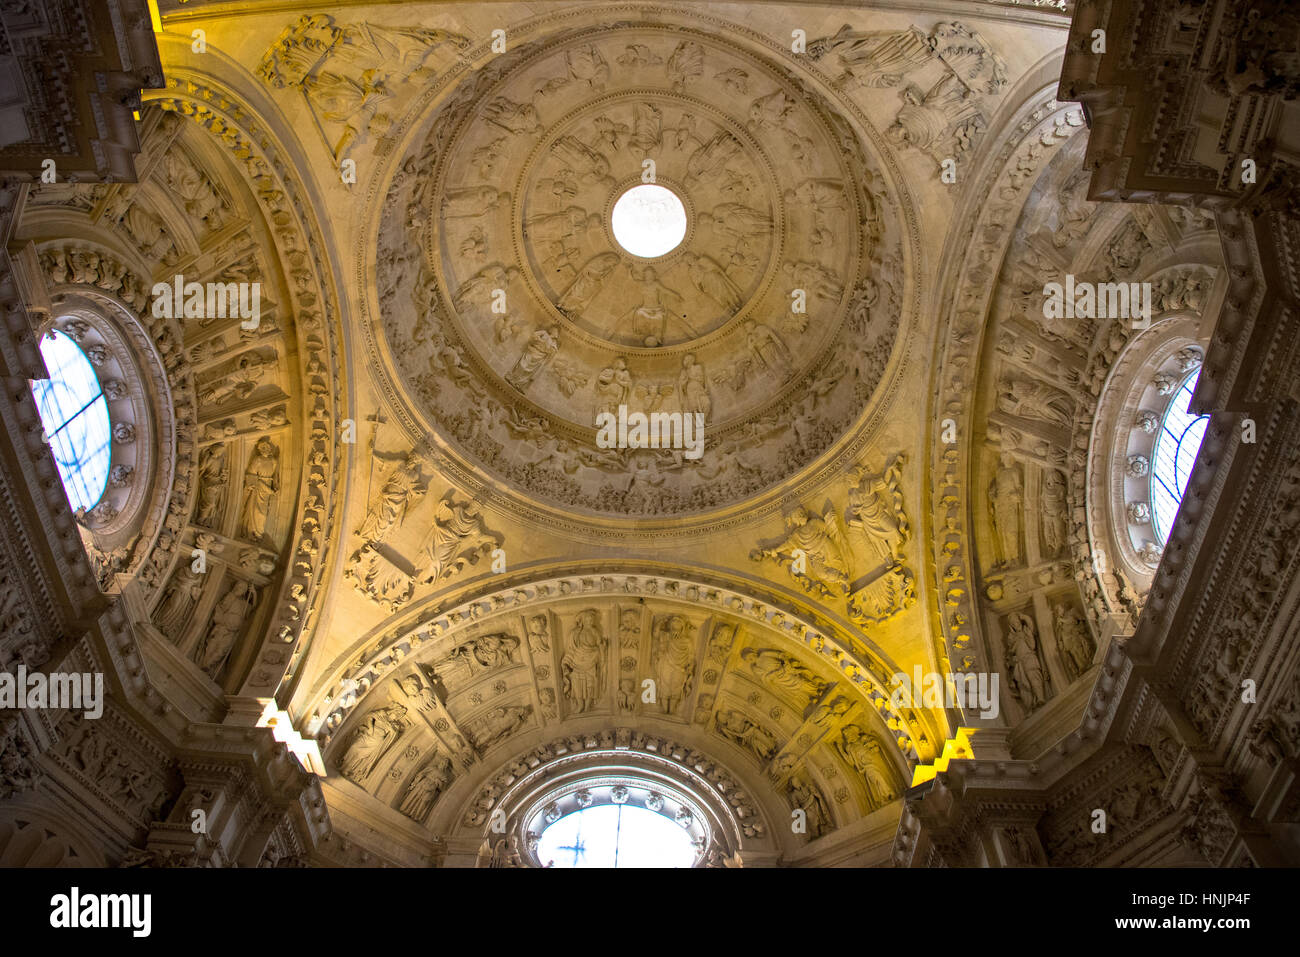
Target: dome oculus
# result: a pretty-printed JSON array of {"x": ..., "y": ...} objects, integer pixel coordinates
[
  {"x": 651, "y": 302},
  {"x": 649, "y": 221}
]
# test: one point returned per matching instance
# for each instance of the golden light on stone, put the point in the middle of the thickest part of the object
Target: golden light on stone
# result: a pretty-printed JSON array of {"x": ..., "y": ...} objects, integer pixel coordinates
[{"x": 656, "y": 435}]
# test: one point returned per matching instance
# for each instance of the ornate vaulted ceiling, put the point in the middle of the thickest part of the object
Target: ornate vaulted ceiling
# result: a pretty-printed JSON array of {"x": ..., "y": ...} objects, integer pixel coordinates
[{"x": 435, "y": 567}]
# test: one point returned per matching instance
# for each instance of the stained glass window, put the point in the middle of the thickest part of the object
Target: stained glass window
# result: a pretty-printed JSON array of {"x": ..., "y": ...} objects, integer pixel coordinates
[
  {"x": 74, "y": 414},
  {"x": 615, "y": 835},
  {"x": 1176, "y": 446}
]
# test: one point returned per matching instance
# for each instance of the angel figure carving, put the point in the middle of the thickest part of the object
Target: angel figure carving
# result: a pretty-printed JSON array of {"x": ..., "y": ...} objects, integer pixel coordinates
[
  {"x": 458, "y": 537},
  {"x": 876, "y": 513},
  {"x": 783, "y": 673},
  {"x": 511, "y": 116},
  {"x": 814, "y": 552},
  {"x": 873, "y": 60},
  {"x": 350, "y": 102},
  {"x": 402, "y": 489}
]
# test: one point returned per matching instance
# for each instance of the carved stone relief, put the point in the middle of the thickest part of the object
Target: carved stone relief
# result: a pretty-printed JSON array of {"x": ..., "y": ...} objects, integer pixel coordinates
[{"x": 586, "y": 326}]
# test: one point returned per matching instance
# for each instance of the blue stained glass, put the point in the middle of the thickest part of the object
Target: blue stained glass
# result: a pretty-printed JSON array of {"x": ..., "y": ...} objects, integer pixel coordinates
[
  {"x": 1175, "y": 453},
  {"x": 74, "y": 414}
]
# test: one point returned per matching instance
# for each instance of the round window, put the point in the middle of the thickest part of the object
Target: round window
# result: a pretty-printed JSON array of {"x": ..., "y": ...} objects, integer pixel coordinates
[
  {"x": 649, "y": 221},
  {"x": 74, "y": 414},
  {"x": 1177, "y": 443}
]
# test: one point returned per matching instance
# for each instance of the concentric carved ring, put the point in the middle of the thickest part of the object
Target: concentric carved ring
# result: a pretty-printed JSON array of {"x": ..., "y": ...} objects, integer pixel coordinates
[{"x": 516, "y": 317}]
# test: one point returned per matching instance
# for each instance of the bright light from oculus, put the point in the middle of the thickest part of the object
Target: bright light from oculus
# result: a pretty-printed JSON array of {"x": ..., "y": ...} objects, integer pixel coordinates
[{"x": 649, "y": 221}]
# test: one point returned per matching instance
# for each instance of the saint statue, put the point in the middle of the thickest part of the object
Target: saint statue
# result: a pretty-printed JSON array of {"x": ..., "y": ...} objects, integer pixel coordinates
[
  {"x": 804, "y": 796},
  {"x": 542, "y": 345},
  {"x": 261, "y": 482},
  {"x": 783, "y": 672},
  {"x": 583, "y": 661},
  {"x": 733, "y": 725},
  {"x": 876, "y": 510},
  {"x": 692, "y": 387},
  {"x": 183, "y": 593},
  {"x": 1005, "y": 495},
  {"x": 1073, "y": 641},
  {"x": 214, "y": 472},
  {"x": 862, "y": 752},
  {"x": 613, "y": 385},
  {"x": 425, "y": 788},
  {"x": 227, "y": 620},
  {"x": 377, "y": 733},
  {"x": 402, "y": 487},
  {"x": 1054, "y": 512},
  {"x": 1021, "y": 643},
  {"x": 674, "y": 662}
]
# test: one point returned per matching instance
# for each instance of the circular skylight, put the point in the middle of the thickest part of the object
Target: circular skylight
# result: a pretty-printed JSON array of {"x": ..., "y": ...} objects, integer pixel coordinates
[
  {"x": 615, "y": 835},
  {"x": 74, "y": 414},
  {"x": 1179, "y": 440},
  {"x": 649, "y": 221}
]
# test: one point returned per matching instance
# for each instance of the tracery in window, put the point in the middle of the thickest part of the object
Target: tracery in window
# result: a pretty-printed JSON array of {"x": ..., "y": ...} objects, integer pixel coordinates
[
  {"x": 615, "y": 835},
  {"x": 1177, "y": 443},
  {"x": 74, "y": 413}
]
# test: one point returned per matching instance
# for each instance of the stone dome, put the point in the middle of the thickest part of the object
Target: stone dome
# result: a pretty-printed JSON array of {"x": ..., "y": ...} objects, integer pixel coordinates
[{"x": 513, "y": 316}]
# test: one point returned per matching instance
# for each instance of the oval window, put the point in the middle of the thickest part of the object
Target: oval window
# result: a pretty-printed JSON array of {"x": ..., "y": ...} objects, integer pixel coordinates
[
  {"x": 74, "y": 414},
  {"x": 1176, "y": 446}
]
